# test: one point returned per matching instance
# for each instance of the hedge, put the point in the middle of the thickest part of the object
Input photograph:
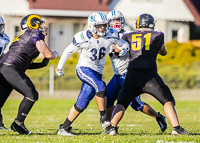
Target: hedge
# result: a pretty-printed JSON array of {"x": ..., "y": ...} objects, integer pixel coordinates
[{"x": 179, "y": 69}]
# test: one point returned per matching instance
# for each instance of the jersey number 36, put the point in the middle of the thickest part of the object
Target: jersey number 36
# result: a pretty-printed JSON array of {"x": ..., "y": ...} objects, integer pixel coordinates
[{"x": 98, "y": 55}]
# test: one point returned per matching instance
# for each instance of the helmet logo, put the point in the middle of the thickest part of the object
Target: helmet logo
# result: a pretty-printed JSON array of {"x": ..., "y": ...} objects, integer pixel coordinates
[
  {"x": 30, "y": 24},
  {"x": 92, "y": 18}
]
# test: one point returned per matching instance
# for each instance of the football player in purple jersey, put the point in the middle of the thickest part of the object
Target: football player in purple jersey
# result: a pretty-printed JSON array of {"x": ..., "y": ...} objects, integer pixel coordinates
[
  {"x": 120, "y": 63},
  {"x": 142, "y": 76},
  {"x": 20, "y": 56}
]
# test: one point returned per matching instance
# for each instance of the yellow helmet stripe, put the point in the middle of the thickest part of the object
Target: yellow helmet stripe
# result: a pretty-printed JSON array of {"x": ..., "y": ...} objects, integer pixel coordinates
[
  {"x": 29, "y": 21},
  {"x": 138, "y": 21}
]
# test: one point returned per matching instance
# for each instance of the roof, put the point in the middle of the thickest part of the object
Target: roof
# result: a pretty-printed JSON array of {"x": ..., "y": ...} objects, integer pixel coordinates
[
  {"x": 88, "y": 5},
  {"x": 68, "y": 8},
  {"x": 175, "y": 10},
  {"x": 194, "y": 7}
]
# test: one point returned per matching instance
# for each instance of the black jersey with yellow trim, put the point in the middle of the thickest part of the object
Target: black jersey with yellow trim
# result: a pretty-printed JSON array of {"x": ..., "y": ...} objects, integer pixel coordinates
[
  {"x": 144, "y": 48},
  {"x": 23, "y": 49}
]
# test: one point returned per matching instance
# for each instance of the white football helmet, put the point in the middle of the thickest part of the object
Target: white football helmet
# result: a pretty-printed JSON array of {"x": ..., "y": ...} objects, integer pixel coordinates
[
  {"x": 2, "y": 26},
  {"x": 116, "y": 15},
  {"x": 95, "y": 20}
]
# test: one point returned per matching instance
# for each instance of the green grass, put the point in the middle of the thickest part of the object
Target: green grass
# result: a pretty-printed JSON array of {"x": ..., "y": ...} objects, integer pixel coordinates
[{"x": 135, "y": 127}]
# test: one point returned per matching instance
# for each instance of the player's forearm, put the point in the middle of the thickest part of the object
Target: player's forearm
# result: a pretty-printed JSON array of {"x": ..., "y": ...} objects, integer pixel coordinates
[
  {"x": 162, "y": 50},
  {"x": 44, "y": 63},
  {"x": 65, "y": 55}
]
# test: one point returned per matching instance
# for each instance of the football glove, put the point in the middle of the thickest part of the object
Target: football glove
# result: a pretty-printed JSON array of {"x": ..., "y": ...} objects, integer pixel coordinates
[{"x": 60, "y": 72}]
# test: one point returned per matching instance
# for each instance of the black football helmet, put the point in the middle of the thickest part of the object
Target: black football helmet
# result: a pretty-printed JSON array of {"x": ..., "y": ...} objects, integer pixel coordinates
[
  {"x": 145, "y": 21},
  {"x": 31, "y": 21}
]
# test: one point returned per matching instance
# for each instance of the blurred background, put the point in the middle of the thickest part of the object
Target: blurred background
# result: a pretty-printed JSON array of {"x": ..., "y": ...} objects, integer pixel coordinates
[{"x": 178, "y": 19}]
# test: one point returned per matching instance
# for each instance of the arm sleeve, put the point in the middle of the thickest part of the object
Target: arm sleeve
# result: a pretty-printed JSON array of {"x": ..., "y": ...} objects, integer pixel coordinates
[
  {"x": 161, "y": 40},
  {"x": 44, "y": 63},
  {"x": 70, "y": 49}
]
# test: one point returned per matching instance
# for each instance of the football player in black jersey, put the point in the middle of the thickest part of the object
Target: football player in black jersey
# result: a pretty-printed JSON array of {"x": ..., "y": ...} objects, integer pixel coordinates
[
  {"x": 142, "y": 76},
  {"x": 20, "y": 56}
]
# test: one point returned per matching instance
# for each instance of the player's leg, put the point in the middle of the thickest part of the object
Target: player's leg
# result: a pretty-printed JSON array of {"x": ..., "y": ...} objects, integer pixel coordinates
[
  {"x": 5, "y": 90},
  {"x": 139, "y": 105},
  {"x": 86, "y": 95},
  {"x": 162, "y": 93},
  {"x": 21, "y": 83},
  {"x": 94, "y": 79},
  {"x": 112, "y": 90},
  {"x": 127, "y": 93}
]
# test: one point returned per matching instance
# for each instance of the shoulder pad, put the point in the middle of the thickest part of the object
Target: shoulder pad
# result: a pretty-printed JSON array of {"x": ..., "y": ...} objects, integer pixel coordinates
[
  {"x": 112, "y": 33},
  {"x": 128, "y": 31},
  {"x": 81, "y": 37},
  {"x": 7, "y": 39},
  {"x": 36, "y": 33}
]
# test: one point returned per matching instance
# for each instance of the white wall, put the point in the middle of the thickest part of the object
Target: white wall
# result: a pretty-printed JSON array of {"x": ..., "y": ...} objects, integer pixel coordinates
[
  {"x": 169, "y": 14},
  {"x": 58, "y": 41}
]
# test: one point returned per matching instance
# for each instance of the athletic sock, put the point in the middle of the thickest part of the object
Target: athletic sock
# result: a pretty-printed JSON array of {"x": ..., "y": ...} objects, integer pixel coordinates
[
  {"x": 24, "y": 108},
  {"x": 67, "y": 123},
  {"x": 102, "y": 112},
  {"x": 176, "y": 127}
]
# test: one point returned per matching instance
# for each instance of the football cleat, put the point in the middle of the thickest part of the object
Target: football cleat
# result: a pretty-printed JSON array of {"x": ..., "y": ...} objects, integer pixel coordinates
[
  {"x": 161, "y": 122},
  {"x": 179, "y": 131},
  {"x": 65, "y": 131},
  {"x": 112, "y": 131},
  {"x": 20, "y": 128},
  {"x": 3, "y": 128},
  {"x": 104, "y": 122}
]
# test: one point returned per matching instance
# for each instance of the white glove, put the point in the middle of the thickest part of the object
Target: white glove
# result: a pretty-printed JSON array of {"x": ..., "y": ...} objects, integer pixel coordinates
[
  {"x": 60, "y": 72},
  {"x": 123, "y": 52},
  {"x": 56, "y": 54}
]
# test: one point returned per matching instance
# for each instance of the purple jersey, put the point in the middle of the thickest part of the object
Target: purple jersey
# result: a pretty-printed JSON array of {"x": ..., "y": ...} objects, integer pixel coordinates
[
  {"x": 144, "y": 48},
  {"x": 23, "y": 49}
]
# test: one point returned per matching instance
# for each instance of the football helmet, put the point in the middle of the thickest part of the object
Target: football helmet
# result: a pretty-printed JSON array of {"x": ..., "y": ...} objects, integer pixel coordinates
[
  {"x": 95, "y": 21},
  {"x": 118, "y": 16},
  {"x": 145, "y": 21},
  {"x": 32, "y": 21},
  {"x": 2, "y": 26}
]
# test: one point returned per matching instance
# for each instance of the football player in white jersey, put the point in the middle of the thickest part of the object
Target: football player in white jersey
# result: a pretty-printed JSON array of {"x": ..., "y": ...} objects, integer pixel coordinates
[
  {"x": 120, "y": 64},
  {"x": 94, "y": 46},
  {"x": 4, "y": 40}
]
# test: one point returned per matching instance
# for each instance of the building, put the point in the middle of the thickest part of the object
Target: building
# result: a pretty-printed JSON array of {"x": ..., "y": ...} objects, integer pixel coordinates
[{"x": 178, "y": 19}]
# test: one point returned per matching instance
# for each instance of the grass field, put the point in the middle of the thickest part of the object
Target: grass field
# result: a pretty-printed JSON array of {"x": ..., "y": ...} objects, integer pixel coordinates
[{"x": 135, "y": 127}]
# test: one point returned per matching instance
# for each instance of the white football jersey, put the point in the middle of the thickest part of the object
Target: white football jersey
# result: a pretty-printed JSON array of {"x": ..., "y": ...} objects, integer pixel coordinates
[
  {"x": 4, "y": 40},
  {"x": 93, "y": 51},
  {"x": 120, "y": 62}
]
